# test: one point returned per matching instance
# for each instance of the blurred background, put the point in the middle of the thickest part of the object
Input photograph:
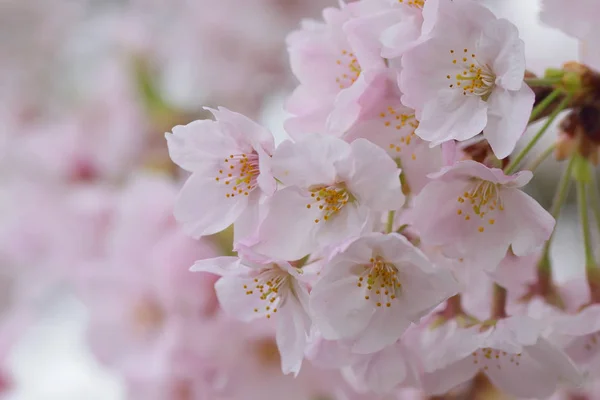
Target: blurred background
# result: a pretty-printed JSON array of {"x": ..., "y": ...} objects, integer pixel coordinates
[{"x": 90, "y": 258}]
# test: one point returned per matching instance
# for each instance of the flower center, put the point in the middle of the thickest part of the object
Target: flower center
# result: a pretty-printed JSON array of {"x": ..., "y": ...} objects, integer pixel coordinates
[
  {"x": 405, "y": 124},
  {"x": 239, "y": 172},
  {"x": 487, "y": 357},
  {"x": 413, "y": 3},
  {"x": 148, "y": 315},
  {"x": 475, "y": 79},
  {"x": 267, "y": 286},
  {"x": 330, "y": 200},
  {"x": 349, "y": 69},
  {"x": 483, "y": 199},
  {"x": 381, "y": 281}
]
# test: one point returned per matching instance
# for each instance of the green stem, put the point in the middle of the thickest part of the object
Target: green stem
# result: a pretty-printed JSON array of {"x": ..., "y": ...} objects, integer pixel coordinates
[
  {"x": 544, "y": 269},
  {"x": 582, "y": 204},
  {"x": 541, "y": 82},
  {"x": 390, "y": 222},
  {"x": 511, "y": 168},
  {"x": 544, "y": 104},
  {"x": 595, "y": 198},
  {"x": 540, "y": 158}
]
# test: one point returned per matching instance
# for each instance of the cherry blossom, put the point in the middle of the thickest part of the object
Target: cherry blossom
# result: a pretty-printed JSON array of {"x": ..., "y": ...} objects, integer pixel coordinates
[
  {"x": 373, "y": 289},
  {"x": 229, "y": 160},
  {"x": 253, "y": 287},
  {"x": 333, "y": 191},
  {"x": 579, "y": 335},
  {"x": 373, "y": 110},
  {"x": 326, "y": 64},
  {"x": 479, "y": 213},
  {"x": 511, "y": 352},
  {"x": 467, "y": 77}
]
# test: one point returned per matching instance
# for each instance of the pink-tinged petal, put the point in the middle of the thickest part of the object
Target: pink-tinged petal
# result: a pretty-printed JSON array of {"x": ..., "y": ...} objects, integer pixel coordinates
[
  {"x": 522, "y": 377},
  {"x": 222, "y": 266},
  {"x": 351, "y": 221},
  {"x": 556, "y": 361},
  {"x": 196, "y": 146},
  {"x": 384, "y": 329},
  {"x": 328, "y": 354},
  {"x": 233, "y": 298},
  {"x": 376, "y": 178},
  {"x": 427, "y": 291},
  {"x": 441, "y": 380},
  {"x": 435, "y": 219},
  {"x": 287, "y": 232},
  {"x": 349, "y": 103},
  {"x": 500, "y": 42},
  {"x": 471, "y": 169},
  {"x": 246, "y": 225},
  {"x": 244, "y": 129},
  {"x": 293, "y": 326},
  {"x": 312, "y": 122},
  {"x": 364, "y": 36},
  {"x": 404, "y": 34},
  {"x": 203, "y": 207},
  {"x": 338, "y": 306},
  {"x": 508, "y": 115},
  {"x": 265, "y": 179},
  {"x": 383, "y": 371},
  {"x": 310, "y": 161},
  {"x": 449, "y": 152},
  {"x": 452, "y": 116},
  {"x": 533, "y": 225}
]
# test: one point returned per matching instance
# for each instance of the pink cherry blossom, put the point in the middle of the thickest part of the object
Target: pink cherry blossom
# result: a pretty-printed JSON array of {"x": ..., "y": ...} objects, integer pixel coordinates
[
  {"x": 139, "y": 292},
  {"x": 373, "y": 110},
  {"x": 334, "y": 190},
  {"x": 479, "y": 213},
  {"x": 384, "y": 371},
  {"x": 397, "y": 24},
  {"x": 579, "y": 335},
  {"x": 229, "y": 160},
  {"x": 512, "y": 353},
  {"x": 326, "y": 64},
  {"x": 467, "y": 77},
  {"x": 373, "y": 289},
  {"x": 252, "y": 287}
]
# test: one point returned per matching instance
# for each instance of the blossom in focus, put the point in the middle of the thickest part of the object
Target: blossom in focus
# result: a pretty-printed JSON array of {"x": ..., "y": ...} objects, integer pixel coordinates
[
  {"x": 511, "y": 352},
  {"x": 229, "y": 160},
  {"x": 476, "y": 213},
  {"x": 326, "y": 64},
  {"x": 253, "y": 287},
  {"x": 373, "y": 110},
  {"x": 467, "y": 77},
  {"x": 373, "y": 289},
  {"x": 334, "y": 191}
]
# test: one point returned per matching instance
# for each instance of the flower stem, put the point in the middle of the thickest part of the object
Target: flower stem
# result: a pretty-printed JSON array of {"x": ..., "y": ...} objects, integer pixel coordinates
[
  {"x": 390, "y": 222},
  {"x": 582, "y": 205},
  {"x": 595, "y": 199},
  {"x": 533, "y": 82},
  {"x": 544, "y": 270},
  {"x": 499, "y": 302},
  {"x": 540, "y": 158},
  {"x": 544, "y": 104},
  {"x": 517, "y": 160}
]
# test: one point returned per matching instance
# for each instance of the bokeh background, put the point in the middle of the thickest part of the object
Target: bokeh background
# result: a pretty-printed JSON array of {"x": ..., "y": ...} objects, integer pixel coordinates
[{"x": 87, "y": 90}]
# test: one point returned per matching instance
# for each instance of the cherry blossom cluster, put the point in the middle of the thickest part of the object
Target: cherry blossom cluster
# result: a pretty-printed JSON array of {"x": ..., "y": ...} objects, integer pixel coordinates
[{"x": 390, "y": 237}]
